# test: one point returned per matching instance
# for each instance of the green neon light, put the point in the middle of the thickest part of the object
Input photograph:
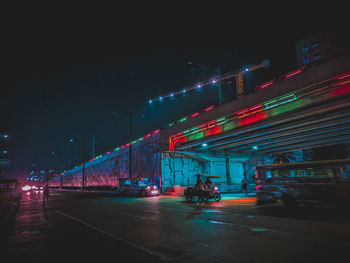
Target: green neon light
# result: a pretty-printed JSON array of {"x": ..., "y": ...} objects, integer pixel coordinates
[
  {"x": 230, "y": 125},
  {"x": 133, "y": 142},
  {"x": 276, "y": 106},
  {"x": 117, "y": 149},
  {"x": 221, "y": 119},
  {"x": 171, "y": 124},
  {"x": 182, "y": 119},
  {"x": 280, "y": 101},
  {"x": 196, "y": 136},
  {"x": 140, "y": 139},
  {"x": 99, "y": 156},
  {"x": 290, "y": 106}
]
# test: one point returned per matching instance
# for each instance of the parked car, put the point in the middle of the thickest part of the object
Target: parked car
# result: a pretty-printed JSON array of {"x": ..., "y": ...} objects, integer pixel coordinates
[{"x": 137, "y": 187}]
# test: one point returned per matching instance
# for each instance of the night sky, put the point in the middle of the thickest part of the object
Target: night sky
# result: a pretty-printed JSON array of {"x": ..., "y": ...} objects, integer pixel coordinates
[{"x": 61, "y": 86}]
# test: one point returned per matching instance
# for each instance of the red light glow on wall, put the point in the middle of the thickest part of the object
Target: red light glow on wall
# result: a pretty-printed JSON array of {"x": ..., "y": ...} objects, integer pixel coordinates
[
  {"x": 264, "y": 85},
  {"x": 253, "y": 118},
  {"x": 194, "y": 114},
  {"x": 209, "y": 108},
  {"x": 293, "y": 73},
  {"x": 249, "y": 110},
  {"x": 343, "y": 76},
  {"x": 156, "y": 131},
  {"x": 341, "y": 90},
  {"x": 213, "y": 131}
]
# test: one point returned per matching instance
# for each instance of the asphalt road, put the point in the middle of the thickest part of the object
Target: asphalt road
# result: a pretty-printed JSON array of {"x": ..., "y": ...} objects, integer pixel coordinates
[{"x": 81, "y": 226}]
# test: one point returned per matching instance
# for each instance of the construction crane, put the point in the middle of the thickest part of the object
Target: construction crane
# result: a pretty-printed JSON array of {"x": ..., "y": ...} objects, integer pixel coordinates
[
  {"x": 239, "y": 75},
  {"x": 219, "y": 78}
]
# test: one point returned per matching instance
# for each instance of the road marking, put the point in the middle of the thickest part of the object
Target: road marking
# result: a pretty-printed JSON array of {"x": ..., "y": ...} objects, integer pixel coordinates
[
  {"x": 258, "y": 229},
  {"x": 213, "y": 211},
  {"x": 144, "y": 249}
]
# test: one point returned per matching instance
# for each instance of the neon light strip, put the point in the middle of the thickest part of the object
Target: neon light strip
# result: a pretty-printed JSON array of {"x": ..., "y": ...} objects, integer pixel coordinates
[
  {"x": 209, "y": 108},
  {"x": 266, "y": 84},
  {"x": 343, "y": 76},
  {"x": 182, "y": 119},
  {"x": 148, "y": 135},
  {"x": 194, "y": 114},
  {"x": 279, "y": 101},
  {"x": 218, "y": 122},
  {"x": 293, "y": 73},
  {"x": 345, "y": 82},
  {"x": 156, "y": 131},
  {"x": 259, "y": 106}
]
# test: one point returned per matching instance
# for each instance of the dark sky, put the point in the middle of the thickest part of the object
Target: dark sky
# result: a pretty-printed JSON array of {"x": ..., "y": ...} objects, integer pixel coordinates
[{"x": 60, "y": 86}]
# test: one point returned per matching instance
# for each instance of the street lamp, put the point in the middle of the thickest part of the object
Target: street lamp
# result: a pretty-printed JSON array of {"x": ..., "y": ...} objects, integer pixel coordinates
[
  {"x": 130, "y": 139},
  {"x": 71, "y": 140}
]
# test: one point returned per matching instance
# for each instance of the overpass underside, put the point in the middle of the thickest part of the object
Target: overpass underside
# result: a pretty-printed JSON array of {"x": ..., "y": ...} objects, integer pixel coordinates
[{"x": 314, "y": 116}]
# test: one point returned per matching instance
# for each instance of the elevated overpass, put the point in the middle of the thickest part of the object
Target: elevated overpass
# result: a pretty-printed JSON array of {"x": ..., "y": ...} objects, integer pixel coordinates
[{"x": 306, "y": 108}]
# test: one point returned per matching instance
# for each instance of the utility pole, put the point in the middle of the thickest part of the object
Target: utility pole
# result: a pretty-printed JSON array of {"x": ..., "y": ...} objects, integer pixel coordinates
[
  {"x": 83, "y": 170},
  {"x": 220, "y": 91},
  {"x": 130, "y": 150},
  {"x": 93, "y": 147}
]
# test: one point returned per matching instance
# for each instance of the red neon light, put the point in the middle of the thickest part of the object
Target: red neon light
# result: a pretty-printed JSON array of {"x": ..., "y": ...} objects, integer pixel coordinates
[
  {"x": 194, "y": 114},
  {"x": 177, "y": 134},
  {"x": 108, "y": 152},
  {"x": 175, "y": 142},
  {"x": 293, "y": 73},
  {"x": 249, "y": 110},
  {"x": 148, "y": 135},
  {"x": 343, "y": 83},
  {"x": 341, "y": 90},
  {"x": 171, "y": 148},
  {"x": 213, "y": 131},
  {"x": 125, "y": 145},
  {"x": 209, "y": 108},
  {"x": 209, "y": 123},
  {"x": 212, "y": 124},
  {"x": 264, "y": 85},
  {"x": 156, "y": 131},
  {"x": 343, "y": 76},
  {"x": 253, "y": 118}
]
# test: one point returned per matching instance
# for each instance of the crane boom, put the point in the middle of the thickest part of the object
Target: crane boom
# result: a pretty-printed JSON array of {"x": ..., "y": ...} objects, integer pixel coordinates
[{"x": 239, "y": 76}]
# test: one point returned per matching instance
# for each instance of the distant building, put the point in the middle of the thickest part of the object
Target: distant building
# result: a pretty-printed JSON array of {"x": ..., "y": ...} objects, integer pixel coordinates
[
  {"x": 316, "y": 47},
  {"x": 4, "y": 153}
]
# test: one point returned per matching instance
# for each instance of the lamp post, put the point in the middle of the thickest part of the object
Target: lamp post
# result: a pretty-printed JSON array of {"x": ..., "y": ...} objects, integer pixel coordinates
[
  {"x": 129, "y": 138},
  {"x": 218, "y": 72},
  {"x": 71, "y": 140}
]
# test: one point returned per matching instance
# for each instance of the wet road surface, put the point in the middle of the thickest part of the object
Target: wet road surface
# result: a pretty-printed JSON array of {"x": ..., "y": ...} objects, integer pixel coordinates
[{"x": 78, "y": 225}]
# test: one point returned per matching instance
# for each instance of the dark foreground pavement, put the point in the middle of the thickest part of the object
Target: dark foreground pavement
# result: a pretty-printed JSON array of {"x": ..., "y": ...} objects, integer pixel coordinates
[
  {"x": 47, "y": 235},
  {"x": 101, "y": 226}
]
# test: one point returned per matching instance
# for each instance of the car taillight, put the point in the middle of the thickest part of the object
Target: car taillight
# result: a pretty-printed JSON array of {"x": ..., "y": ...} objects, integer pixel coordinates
[{"x": 26, "y": 188}]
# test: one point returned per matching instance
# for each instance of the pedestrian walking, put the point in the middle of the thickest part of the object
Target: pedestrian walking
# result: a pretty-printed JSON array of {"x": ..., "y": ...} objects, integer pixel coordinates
[
  {"x": 46, "y": 195},
  {"x": 245, "y": 185}
]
